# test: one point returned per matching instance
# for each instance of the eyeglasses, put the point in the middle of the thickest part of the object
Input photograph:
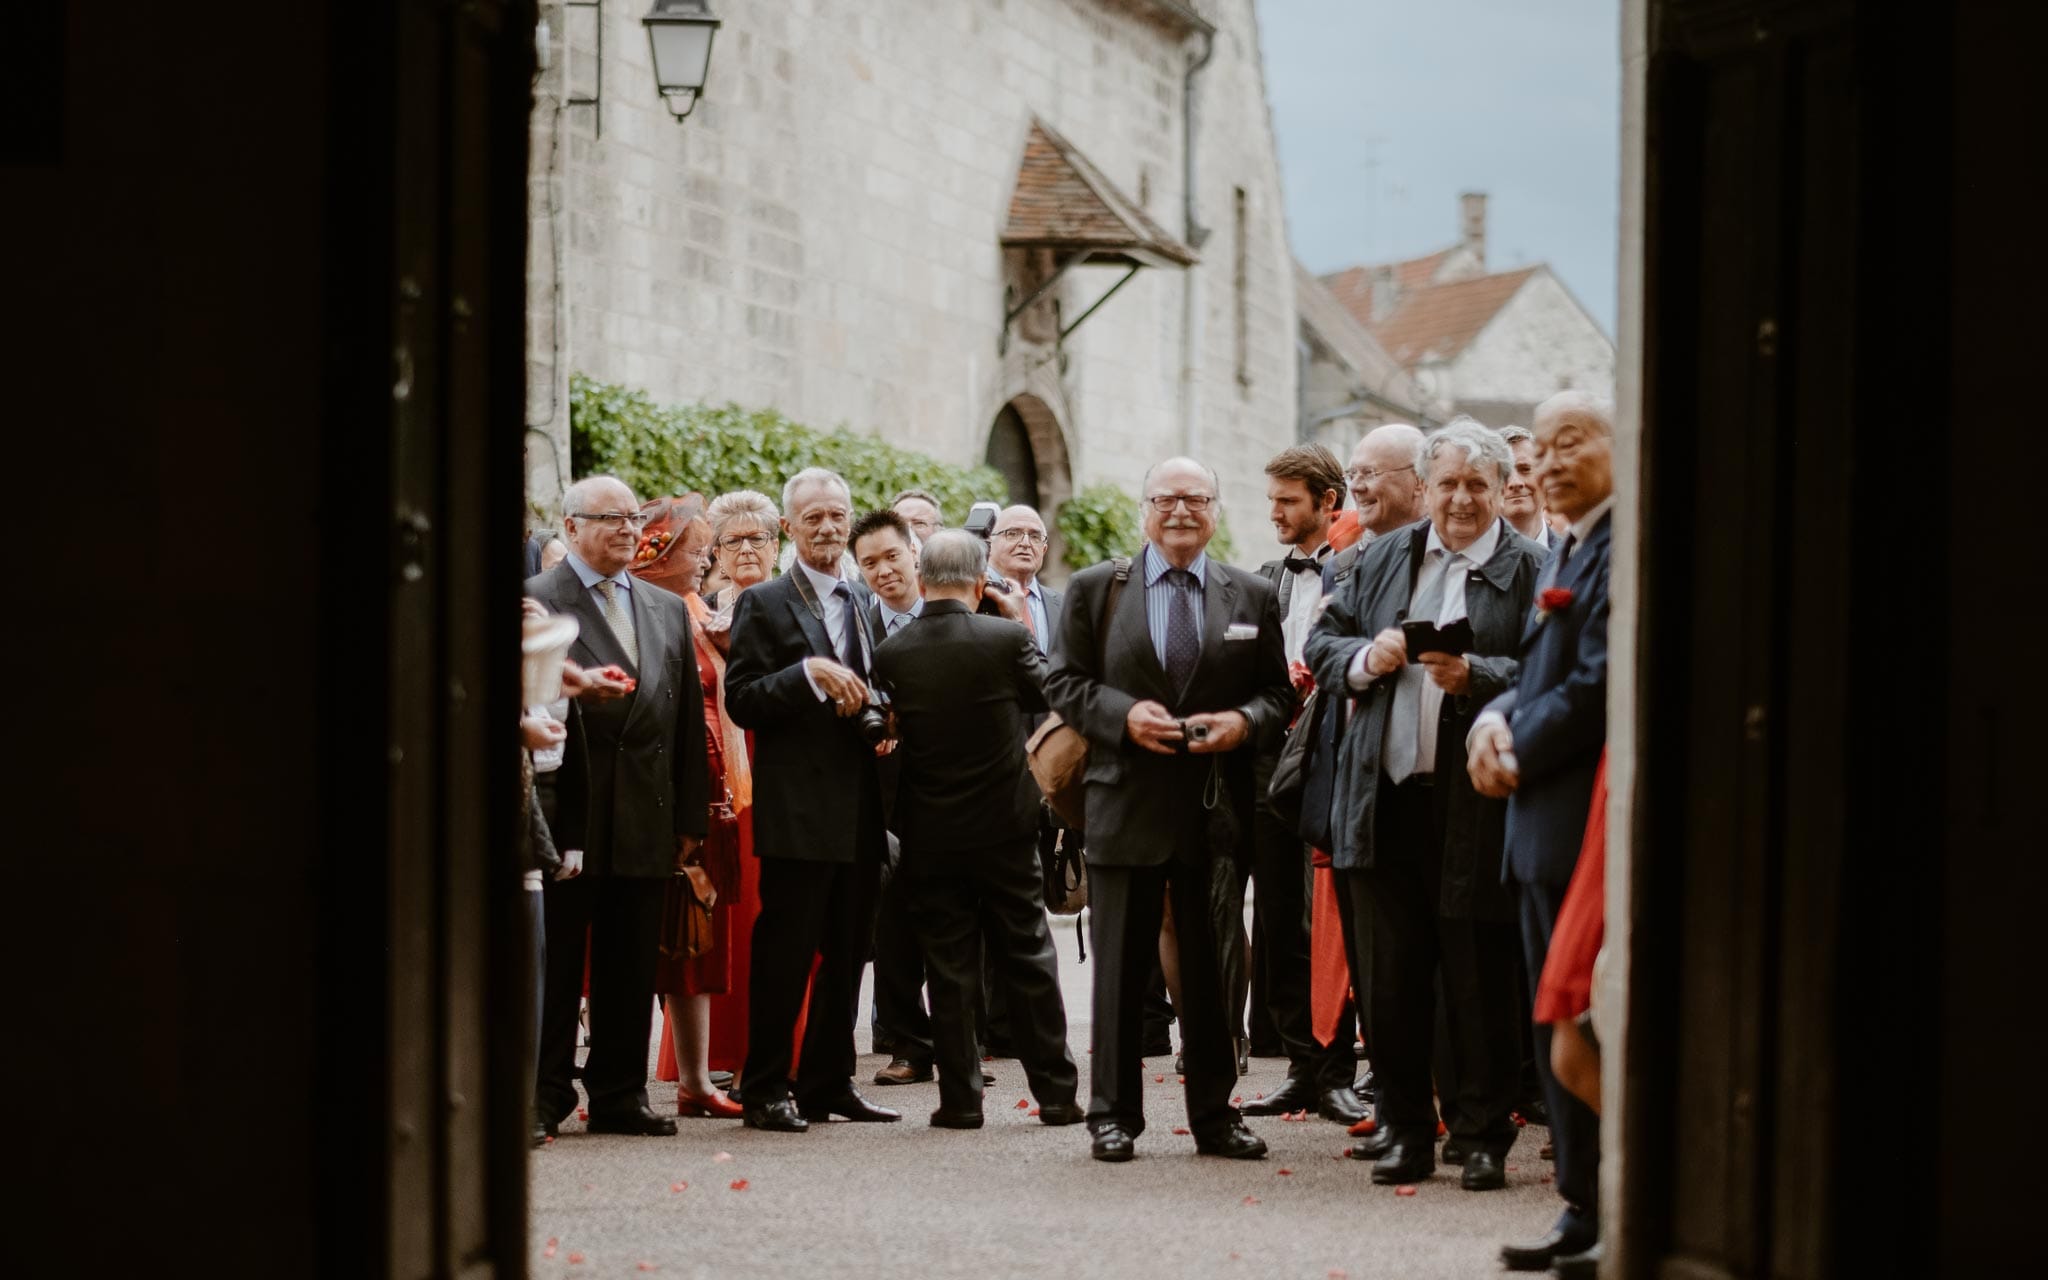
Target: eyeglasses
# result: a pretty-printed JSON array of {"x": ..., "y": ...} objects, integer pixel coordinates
[
  {"x": 1167, "y": 501},
  {"x": 610, "y": 519},
  {"x": 1366, "y": 475},
  {"x": 755, "y": 540},
  {"x": 1032, "y": 536}
]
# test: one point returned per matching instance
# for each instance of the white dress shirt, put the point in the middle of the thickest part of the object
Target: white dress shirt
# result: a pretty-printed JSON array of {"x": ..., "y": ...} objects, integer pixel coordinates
[
  {"x": 834, "y": 610},
  {"x": 1302, "y": 602}
]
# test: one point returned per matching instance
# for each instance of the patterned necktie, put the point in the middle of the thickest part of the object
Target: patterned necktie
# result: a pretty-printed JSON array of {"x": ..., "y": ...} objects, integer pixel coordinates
[
  {"x": 1183, "y": 644},
  {"x": 849, "y": 632},
  {"x": 620, "y": 620}
]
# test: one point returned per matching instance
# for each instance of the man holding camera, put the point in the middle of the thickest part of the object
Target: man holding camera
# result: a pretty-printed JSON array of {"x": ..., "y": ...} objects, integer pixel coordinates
[
  {"x": 802, "y": 647},
  {"x": 1174, "y": 690},
  {"x": 961, "y": 685}
]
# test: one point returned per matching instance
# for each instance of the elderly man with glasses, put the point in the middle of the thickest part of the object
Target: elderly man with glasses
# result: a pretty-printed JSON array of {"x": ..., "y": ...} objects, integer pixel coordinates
[
  {"x": 1174, "y": 668},
  {"x": 649, "y": 803},
  {"x": 1017, "y": 549}
]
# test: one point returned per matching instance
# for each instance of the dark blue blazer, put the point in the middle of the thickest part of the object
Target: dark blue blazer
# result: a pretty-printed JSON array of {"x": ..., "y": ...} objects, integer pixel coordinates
[{"x": 1557, "y": 710}]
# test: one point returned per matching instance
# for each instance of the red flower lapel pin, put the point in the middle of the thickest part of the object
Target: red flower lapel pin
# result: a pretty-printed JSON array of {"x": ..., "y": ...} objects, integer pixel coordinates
[{"x": 1552, "y": 600}]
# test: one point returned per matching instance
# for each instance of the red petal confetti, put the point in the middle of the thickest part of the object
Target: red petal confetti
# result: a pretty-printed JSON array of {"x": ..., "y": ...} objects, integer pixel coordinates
[
  {"x": 1158, "y": 1079},
  {"x": 1023, "y": 1103},
  {"x": 678, "y": 1186},
  {"x": 722, "y": 1156},
  {"x": 1235, "y": 1256},
  {"x": 1404, "y": 1191},
  {"x": 583, "y": 1113},
  {"x": 1183, "y": 1079},
  {"x": 1182, "y": 1130},
  {"x": 1440, "y": 1130},
  {"x": 548, "y": 1141},
  {"x": 548, "y": 1252},
  {"x": 646, "y": 1266},
  {"x": 575, "y": 1259},
  {"x": 1338, "y": 1273},
  {"x": 739, "y": 1184},
  {"x": 1514, "y": 1168},
  {"x": 1548, "y": 1178},
  {"x": 1032, "y": 1112},
  {"x": 1363, "y": 1127},
  {"x": 1345, "y": 1154},
  {"x": 1251, "y": 1199},
  {"x": 1238, "y": 1101},
  {"x": 1520, "y": 1121},
  {"x": 553, "y": 1241},
  {"x": 1284, "y": 1173},
  {"x": 1258, "y": 1095}
]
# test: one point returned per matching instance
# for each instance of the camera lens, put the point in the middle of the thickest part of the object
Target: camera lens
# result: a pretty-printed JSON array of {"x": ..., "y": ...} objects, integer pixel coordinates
[{"x": 873, "y": 726}]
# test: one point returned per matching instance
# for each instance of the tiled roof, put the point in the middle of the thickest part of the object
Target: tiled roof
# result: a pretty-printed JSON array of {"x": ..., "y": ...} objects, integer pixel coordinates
[
  {"x": 1353, "y": 285},
  {"x": 1062, "y": 201},
  {"x": 1436, "y": 322},
  {"x": 1348, "y": 340}
]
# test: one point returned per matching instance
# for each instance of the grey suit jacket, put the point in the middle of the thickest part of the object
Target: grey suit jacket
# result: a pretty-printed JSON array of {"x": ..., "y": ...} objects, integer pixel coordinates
[{"x": 648, "y": 773}]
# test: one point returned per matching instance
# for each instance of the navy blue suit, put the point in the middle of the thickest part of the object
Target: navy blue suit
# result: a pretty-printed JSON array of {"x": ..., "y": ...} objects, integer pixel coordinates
[{"x": 1557, "y": 712}]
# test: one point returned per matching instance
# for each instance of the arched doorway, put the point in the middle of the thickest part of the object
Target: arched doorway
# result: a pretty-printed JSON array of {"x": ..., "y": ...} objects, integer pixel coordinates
[{"x": 1010, "y": 452}]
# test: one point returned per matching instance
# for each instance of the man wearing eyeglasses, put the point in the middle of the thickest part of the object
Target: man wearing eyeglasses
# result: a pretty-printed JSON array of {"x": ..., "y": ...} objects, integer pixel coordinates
[
  {"x": 1017, "y": 550},
  {"x": 1175, "y": 693},
  {"x": 649, "y": 800}
]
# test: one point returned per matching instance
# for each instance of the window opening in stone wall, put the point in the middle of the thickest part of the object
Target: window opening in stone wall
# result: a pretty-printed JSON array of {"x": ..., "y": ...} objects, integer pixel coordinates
[{"x": 1240, "y": 271}]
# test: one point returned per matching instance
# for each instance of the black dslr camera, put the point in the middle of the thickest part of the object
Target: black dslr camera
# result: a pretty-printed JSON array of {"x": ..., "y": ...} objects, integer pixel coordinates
[
  {"x": 981, "y": 522},
  {"x": 873, "y": 721}
]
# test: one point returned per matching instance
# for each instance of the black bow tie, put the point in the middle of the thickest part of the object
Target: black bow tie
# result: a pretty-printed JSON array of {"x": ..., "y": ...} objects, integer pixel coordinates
[{"x": 1302, "y": 564}]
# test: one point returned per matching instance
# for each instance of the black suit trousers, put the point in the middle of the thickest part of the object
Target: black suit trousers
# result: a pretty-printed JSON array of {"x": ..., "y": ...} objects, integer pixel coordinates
[
  {"x": 1280, "y": 948},
  {"x": 621, "y": 916},
  {"x": 1574, "y": 1129},
  {"x": 1126, "y": 906},
  {"x": 821, "y": 911},
  {"x": 955, "y": 896},
  {"x": 1411, "y": 944},
  {"x": 901, "y": 1022}
]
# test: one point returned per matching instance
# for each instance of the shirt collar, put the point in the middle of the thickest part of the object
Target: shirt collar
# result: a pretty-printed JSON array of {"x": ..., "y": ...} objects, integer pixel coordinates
[
  {"x": 889, "y": 615},
  {"x": 1582, "y": 528},
  {"x": 1156, "y": 566},
  {"x": 590, "y": 577},
  {"x": 1478, "y": 551},
  {"x": 825, "y": 583}
]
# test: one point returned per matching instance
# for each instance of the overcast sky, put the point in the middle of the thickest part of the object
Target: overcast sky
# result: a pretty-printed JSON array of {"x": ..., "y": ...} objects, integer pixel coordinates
[{"x": 1520, "y": 99}]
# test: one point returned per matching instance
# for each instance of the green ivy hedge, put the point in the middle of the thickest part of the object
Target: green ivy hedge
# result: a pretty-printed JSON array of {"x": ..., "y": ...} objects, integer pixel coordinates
[{"x": 660, "y": 449}]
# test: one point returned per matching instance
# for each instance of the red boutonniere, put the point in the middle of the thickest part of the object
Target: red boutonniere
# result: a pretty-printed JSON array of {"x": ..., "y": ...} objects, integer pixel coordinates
[
  {"x": 1551, "y": 600},
  {"x": 1301, "y": 678}
]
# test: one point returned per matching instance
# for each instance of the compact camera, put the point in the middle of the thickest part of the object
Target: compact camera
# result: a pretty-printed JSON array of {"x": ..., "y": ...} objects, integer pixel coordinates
[{"x": 981, "y": 522}]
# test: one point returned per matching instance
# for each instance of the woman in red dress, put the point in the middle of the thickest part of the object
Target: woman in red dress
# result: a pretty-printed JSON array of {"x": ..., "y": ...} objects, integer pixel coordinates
[{"x": 1564, "y": 992}]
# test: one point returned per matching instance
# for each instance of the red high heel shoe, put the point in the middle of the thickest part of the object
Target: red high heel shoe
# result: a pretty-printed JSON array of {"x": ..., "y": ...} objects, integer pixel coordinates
[{"x": 715, "y": 1105}]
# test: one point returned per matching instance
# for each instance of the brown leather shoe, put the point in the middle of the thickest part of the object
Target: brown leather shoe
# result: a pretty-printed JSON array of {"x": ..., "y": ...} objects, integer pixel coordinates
[{"x": 904, "y": 1071}]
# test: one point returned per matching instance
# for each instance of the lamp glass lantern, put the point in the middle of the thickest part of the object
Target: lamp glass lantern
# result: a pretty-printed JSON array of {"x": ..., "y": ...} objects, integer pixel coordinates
[{"x": 679, "y": 33}]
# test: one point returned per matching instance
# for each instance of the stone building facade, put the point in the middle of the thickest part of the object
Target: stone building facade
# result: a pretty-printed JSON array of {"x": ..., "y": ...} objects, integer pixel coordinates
[{"x": 825, "y": 234}]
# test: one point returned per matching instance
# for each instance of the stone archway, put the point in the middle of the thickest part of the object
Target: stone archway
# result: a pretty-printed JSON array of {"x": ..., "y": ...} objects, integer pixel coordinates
[{"x": 1029, "y": 447}]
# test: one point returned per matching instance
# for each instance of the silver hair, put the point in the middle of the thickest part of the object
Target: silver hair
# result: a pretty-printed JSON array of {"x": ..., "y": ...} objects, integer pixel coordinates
[
  {"x": 1599, "y": 413},
  {"x": 741, "y": 504},
  {"x": 1514, "y": 435},
  {"x": 813, "y": 475},
  {"x": 577, "y": 496},
  {"x": 952, "y": 558},
  {"x": 1215, "y": 486},
  {"x": 1481, "y": 443}
]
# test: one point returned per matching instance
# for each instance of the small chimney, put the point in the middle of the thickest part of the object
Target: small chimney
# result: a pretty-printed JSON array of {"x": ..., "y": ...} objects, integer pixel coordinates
[{"x": 1472, "y": 224}]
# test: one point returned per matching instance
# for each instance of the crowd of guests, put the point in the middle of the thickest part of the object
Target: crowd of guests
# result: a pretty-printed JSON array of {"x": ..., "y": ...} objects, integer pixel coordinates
[{"x": 772, "y": 765}]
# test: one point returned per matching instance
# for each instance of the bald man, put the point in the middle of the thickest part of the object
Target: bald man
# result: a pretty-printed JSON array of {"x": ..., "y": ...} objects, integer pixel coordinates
[{"x": 1017, "y": 549}]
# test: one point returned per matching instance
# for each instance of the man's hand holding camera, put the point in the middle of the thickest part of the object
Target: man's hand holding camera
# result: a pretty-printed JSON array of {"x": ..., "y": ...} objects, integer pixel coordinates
[
  {"x": 1154, "y": 728},
  {"x": 845, "y": 690}
]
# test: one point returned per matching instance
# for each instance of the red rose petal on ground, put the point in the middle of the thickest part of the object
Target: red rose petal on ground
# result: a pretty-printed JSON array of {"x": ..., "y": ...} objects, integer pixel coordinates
[
  {"x": 1182, "y": 1130},
  {"x": 1158, "y": 1079},
  {"x": 1235, "y": 1256},
  {"x": 1338, "y": 1273},
  {"x": 1251, "y": 1199},
  {"x": 575, "y": 1259},
  {"x": 1258, "y": 1095},
  {"x": 1440, "y": 1130},
  {"x": 1182, "y": 1079},
  {"x": 722, "y": 1156},
  {"x": 1363, "y": 1127},
  {"x": 1238, "y": 1101},
  {"x": 677, "y": 1186},
  {"x": 1284, "y": 1173},
  {"x": 582, "y": 1113},
  {"x": 646, "y": 1266},
  {"x": 1032, "y": 1112},
  {"x": 553, "y": 1241},
  {"x": 739, "y": 1184},
  {"x": 1345, "y": 1154},
  {"x": 1404, "y": 1191},
  {"x": 1514, "y": 1168},
  {"x": 548, "y": 1252},
  {"x": 1548, "y": 1178},
  {"x": 1023, "y": 1103},
  {"x": 548, "y": 1141}
]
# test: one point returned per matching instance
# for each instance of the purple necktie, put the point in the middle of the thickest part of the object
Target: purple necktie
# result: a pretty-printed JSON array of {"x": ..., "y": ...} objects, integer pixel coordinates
[{"x": 1183, "y": 645}]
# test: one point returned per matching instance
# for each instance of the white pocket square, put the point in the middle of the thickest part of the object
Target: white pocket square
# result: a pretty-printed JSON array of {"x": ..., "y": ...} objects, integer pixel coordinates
[{"x": 1240, "y": 631}]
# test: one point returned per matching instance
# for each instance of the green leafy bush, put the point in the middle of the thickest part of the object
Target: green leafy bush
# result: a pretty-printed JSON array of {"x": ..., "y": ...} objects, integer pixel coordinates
[
  {"x": 660, "y": 449},
  {"x": 1102, "y": 522}
]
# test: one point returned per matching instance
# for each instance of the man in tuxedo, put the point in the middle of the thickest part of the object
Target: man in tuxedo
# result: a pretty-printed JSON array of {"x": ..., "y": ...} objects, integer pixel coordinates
[
  {"x": 648, "y": 803},
  {"x": 1176, "y": 689},
  {"x": 1521, "y": 505},
  {"x": 881, "y": 542},
  {"x": 1539, "y": 744},
  {"x": 802, "y": 646},
  {"x": 1305, "y": 486},
  {"x": 1416, "y": 849},
  {"x": 960, "y": 686}
]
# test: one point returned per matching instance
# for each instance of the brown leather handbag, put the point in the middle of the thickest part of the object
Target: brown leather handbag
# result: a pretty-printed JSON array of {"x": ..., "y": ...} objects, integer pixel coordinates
[
  {"x": 1057, "y": 753},
  {"x": 686, "y": 914}
]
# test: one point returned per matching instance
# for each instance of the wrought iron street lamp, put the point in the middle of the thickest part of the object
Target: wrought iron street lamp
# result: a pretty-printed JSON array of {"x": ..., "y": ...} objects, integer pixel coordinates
[{"x": 680, "y": 33}]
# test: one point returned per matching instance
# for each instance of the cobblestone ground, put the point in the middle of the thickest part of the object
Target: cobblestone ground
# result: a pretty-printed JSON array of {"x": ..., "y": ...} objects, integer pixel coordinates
[{"x": 1012, "y": 1199}]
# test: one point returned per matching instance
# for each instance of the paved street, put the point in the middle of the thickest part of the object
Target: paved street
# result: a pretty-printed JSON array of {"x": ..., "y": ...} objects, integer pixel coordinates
[{"x": 1012, "y": 1199}]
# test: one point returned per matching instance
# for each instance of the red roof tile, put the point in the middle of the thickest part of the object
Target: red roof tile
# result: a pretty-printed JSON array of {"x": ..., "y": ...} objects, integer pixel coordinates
[
  {"x": 1063, "y": 201},
  {"x": 1436, "y": 322},
  {"x": 1353, "y": 285}
]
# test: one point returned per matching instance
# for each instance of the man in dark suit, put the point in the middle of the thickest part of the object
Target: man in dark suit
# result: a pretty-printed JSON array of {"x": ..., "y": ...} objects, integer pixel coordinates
[
  {"x": 1416, "y": 850},
  {"x": 1539, "y": 744},
  {"x": 802, "y": 646},
  {"x": 648, "y": 798},
  {"x": 1305, "y": 486},
  {"x": 1522, "y": 502},
  {"x": 1016, "y": 549},
  {"x": 961, "y": 685},
  {"x": 1176, "y": 689}
]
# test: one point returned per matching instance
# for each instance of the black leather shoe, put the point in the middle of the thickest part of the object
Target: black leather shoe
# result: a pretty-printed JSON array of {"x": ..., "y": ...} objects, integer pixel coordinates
[
  {"x": 1296, "y": 1095},
  {"x": 1406, "y": 1161},
  {"x": 851, "y": 1106},
  {"x": 944, "y": 1119},
  {"x": 1483, "y": 1172},
  {"x": 1244, "y": 1057},
  {"x": 1455, "y": 1151},
  {"x": 1580, "y": 1266},
  {"x": 1180, "y": 1064},
  {"x": 721, "y": 1079},
  {"x": 1235, "y": 1142},
  {"x": 1535, "y": 1112},
  {"x": 1062, "y": 1113},
  {"x": 987, "y": 1077},
  {"x": 1373, "y": 1145},
  {"x": 639, "y": 1121},
  {"x": 1342, "y": 1106},
  {"x": 1570, "y": 1235},
  {"x": 1366, "y": 1088},
  {"x": 538, "y": 1133},
  {"x": 1110, "y": 1144},
  {"x": 779, "y": 1116}
]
